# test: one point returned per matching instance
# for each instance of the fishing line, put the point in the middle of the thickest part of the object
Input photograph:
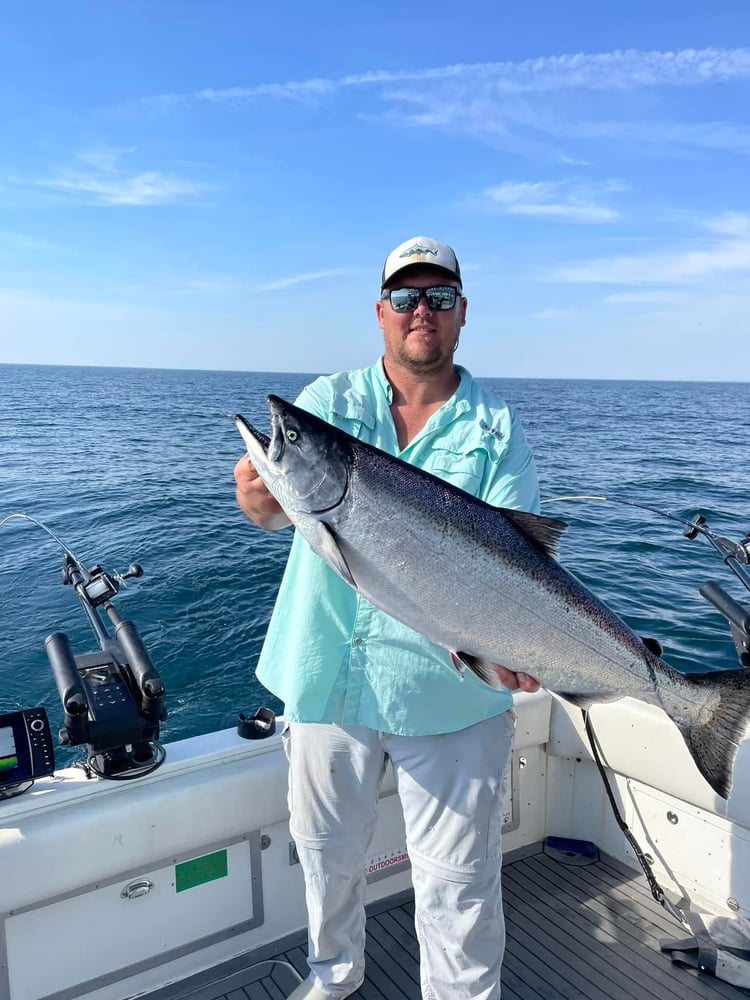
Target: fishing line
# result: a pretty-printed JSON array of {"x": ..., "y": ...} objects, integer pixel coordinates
[
  {"x": 643, "y": 859},
  {"x": 44, "y": 527},
  {"x": 734, "y": 555},
  {"x": 692, "y": 528},
  {"x": 627, "y": 503},
  {"x": 68, "y": 552},
  {"x": 640, "y": 506}
]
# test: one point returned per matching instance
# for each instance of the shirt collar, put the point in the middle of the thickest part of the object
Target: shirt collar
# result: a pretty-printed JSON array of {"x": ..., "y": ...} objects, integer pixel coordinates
[
  {"x": 382, "y": 380},
  {"x": 458, "y": 402}
]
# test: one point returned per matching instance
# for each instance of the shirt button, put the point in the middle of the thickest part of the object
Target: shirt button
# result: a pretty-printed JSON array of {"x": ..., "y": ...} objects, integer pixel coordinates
[{"x": 357, "y": 640}]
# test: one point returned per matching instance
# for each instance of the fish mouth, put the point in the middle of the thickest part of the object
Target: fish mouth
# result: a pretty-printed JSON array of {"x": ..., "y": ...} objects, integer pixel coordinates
[
  {"x": 262, "y": 439},
  {"x": 271, "y": 446}
]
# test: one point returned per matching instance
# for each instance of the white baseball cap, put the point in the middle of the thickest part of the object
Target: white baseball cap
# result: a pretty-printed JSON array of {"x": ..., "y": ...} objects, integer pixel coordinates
[{"x": 420, "y": 252}]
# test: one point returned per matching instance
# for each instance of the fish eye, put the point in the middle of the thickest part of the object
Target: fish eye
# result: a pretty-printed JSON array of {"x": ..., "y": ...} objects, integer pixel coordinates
[{"x": 291, "y": 435}]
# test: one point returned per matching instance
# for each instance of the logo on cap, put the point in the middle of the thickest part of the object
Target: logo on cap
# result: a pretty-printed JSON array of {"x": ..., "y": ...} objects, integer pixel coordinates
[{"x": 418, "y": 248}]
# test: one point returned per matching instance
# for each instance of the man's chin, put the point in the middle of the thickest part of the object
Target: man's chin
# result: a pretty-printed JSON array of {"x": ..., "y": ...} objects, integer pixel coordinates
[{"x": 424, "y": 362}]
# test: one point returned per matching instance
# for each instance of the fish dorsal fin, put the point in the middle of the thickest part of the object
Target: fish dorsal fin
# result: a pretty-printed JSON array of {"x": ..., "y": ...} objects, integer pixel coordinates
[{"x": 544, "y": 532}]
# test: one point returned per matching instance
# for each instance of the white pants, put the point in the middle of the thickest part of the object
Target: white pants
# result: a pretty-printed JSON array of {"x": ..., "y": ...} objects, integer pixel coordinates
[{"x": 451, "y": 788}]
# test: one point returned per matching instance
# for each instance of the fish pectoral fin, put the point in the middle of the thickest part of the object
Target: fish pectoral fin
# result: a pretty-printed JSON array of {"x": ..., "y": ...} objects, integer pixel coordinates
[
  {"x": 584, "y": 700},
  {"x": 458, "y": 663},
  {"x": 483, "y": 669},
  {"x": 328, "y": 548}
]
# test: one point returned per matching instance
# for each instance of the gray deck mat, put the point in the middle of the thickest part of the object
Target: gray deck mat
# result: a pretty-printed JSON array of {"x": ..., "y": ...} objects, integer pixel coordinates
[{"x": 573, "y": 931}]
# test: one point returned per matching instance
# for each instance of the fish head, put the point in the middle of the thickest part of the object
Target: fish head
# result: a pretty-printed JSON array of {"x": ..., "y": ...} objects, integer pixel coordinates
[{"x": 303, "y": 462}]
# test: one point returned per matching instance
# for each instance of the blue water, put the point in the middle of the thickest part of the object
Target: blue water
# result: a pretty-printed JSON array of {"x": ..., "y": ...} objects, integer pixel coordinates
[{"x": 136, "y": 465}]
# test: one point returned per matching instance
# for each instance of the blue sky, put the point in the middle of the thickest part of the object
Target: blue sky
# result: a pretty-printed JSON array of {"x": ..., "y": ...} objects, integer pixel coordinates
[{"x": 216, "y": 184}]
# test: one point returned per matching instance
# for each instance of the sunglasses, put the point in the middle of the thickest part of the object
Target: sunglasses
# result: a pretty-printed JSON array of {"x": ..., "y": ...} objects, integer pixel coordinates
[{"x": 406, "y": 300}]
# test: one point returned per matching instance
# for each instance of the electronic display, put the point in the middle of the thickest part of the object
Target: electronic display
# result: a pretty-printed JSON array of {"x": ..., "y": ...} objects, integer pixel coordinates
[
  {"x": 26, "y": 749},
  {"x": 8, "y": 755}
]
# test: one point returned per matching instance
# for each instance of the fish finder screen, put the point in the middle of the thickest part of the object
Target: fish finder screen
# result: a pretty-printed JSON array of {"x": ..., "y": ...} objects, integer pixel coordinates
[{"x": 8, "y": 755}]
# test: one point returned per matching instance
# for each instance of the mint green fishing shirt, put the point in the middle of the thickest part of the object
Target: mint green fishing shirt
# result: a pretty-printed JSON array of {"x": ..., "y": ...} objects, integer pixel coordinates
[{"x": 330, "y": 655}]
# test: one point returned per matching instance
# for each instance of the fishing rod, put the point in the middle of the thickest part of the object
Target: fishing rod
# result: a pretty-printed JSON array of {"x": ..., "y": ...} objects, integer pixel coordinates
[
  {"x": 734, "y": 555},
  {"x": 113, "y": 698}
]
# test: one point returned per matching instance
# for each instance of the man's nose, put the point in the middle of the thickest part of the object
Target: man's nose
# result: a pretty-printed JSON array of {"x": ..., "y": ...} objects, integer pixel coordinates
[{"x": 423, "y": 305}]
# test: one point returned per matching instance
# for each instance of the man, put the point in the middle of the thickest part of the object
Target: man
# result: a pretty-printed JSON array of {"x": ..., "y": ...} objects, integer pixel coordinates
[{"x": 359, "y": 688}]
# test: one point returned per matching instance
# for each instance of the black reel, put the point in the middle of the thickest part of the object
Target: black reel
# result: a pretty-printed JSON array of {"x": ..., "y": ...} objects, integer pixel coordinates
[{"x": 113, "y": 699}]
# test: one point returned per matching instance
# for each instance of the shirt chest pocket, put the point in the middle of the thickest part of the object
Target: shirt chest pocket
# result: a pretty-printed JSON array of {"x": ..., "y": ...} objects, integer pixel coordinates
[
  {"x": 354, "y": 419},
  {"x": 463, "y": 469}
]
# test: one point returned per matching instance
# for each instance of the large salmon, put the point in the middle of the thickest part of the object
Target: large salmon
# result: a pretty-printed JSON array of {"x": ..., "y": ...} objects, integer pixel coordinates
[{"x": 483, "y": 582}]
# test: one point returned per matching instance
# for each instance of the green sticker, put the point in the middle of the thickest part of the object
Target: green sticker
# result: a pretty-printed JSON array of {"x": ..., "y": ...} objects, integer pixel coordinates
[{"x": 200, "y": 870}]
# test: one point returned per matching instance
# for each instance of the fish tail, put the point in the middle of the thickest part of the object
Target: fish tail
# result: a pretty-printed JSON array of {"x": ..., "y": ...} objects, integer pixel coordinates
[{"x": 715, "y": 723}]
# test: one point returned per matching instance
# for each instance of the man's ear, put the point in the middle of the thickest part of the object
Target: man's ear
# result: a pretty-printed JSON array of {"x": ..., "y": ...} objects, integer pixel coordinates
[{"x": 379, "y": 312}]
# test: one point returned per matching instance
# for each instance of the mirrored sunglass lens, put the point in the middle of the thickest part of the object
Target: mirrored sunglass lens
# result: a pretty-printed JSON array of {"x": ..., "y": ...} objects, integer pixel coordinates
[
  {"x": 441, "y": 297},
  {"x": 405, "y": 299}
]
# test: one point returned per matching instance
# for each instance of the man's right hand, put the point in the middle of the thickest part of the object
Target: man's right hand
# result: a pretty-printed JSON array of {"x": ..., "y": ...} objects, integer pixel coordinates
[{"x": 254, "y": 498}]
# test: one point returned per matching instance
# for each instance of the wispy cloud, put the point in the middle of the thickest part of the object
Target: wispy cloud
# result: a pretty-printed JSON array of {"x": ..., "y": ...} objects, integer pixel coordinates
[
  {"x": 298, "y": 279},
  {"x": 552, "y": 313},
  {"x": 655, "y": 298},
  {"x": 302, "y": 90},
  {"x": 513, "y": 105},
  {"x": 104, "y": 157},
  {"x": 730, "y": 224},
  {"x": 108, "y": 181},
  {"x": 713, "y": 135},
  {"x": 567, "y": 201},
  {"x": 727, "y": 257},
  {"x": 224, "y": 284},
  {"x": 14, "y": 242},
  {"x": 571, "y": 161},
  {"x": 618, "y": 70},
  {"x": 147, "y": 188},
  {"x": 678, "y": 268}
]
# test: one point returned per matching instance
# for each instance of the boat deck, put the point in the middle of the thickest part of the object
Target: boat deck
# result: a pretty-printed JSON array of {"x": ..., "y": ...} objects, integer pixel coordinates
[{"x": 573, "y": 930}]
